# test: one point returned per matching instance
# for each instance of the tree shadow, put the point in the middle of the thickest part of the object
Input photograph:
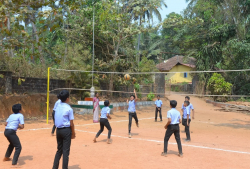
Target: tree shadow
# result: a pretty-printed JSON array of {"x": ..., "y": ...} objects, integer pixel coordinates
[
  {"x": 74, "y": 167},
  {"x": 22, "y": 159},
  {"x": 236, "y": 124}
]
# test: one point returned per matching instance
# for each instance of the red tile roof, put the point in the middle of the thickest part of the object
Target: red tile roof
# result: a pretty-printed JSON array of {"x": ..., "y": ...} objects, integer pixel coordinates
[{"x": 170, "y": 63}]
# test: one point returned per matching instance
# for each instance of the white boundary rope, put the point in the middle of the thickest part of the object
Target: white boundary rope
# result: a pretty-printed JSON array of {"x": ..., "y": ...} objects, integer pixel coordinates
[{"x": 206, "y": 71}]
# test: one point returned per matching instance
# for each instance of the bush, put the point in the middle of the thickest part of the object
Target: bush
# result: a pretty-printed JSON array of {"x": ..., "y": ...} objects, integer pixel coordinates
[
  {"x": 218, "y": 86},
  {"x": 150, "y": 96},
  {"x": 176, "y": 89}
]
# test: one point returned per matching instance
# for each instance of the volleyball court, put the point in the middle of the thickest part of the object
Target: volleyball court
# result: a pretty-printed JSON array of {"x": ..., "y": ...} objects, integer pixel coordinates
[{"x": 218, "y": 139}]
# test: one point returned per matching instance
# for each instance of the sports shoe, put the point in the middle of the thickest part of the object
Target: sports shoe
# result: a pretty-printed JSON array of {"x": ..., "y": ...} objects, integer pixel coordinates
[
  {"x": 164, "y": 154},
  {"x": 129, "y": 135}
]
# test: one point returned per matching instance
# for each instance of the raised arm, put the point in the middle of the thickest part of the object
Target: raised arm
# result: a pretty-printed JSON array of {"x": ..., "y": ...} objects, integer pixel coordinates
[{"x": 135, "y": 95}]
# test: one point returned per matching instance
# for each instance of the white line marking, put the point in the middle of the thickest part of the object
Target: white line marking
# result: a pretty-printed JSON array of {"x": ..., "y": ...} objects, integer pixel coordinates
[
  {"x": 157, "y": 141},
  {"x": 110, "y": 122}
]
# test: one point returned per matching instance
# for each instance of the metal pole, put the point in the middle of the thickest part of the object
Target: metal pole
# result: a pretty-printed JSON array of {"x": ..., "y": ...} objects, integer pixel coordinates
[
  {"x": 93, "y": 44},
  {"x": 48, "y": 96}
]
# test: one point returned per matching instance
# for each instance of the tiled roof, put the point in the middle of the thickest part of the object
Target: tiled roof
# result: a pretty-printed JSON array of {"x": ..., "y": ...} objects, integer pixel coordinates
[{"x": 170, "y": 63}]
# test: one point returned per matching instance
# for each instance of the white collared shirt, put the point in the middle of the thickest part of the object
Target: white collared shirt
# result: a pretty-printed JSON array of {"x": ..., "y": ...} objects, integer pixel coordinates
[
  {"x": 63, "y": 115},
  {"x": 174, "y": 115}
]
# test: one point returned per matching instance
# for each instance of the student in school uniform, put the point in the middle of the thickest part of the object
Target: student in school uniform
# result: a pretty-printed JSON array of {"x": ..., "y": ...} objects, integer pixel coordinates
[
  {"x": 14, "y": 122},
  {"x": 186, "y": 119},
  {"x": 53, "y": 114},
  {"x": 187, "y": 98},
  {"x": 65, "y": 129},
  {"x": 132, "y": 112},
  {"x": 158, "y": 105},
  {"x": 105, "y": 115},
  {"x": 174, "y": 118}
]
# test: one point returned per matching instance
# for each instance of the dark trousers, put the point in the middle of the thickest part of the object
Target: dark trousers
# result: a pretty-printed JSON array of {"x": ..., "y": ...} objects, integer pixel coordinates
[
  {"x": 187, "y": 128},
  {"x": 132, "y": 115},
  {"x": 170, "y": 130},
  {"x": 104, "y": 122},
  {"x": 63, "y": 137},
  {"x": 156, "y": 113},
  {"x": 54, "y": 126},
  {"x": 14, "y": 142}
]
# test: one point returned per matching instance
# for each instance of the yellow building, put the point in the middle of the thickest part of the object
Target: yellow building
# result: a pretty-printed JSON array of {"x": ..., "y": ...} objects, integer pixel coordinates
[{"x": 178, "y": 64}]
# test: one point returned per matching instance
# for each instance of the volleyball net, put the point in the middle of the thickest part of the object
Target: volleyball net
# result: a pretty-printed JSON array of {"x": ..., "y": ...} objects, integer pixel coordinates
[{"x": 227, "y": 84}]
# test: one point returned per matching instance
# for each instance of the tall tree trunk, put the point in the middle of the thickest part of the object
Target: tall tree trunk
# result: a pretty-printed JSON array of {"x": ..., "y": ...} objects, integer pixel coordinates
[
  {"x": 8, "y": 27},
  {"x": 138, "y": 48},
  {"x": 37, "y": 41}
]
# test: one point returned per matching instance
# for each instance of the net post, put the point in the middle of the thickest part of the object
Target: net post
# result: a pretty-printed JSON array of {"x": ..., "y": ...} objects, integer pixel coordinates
[{"x": 48, "y": 95}]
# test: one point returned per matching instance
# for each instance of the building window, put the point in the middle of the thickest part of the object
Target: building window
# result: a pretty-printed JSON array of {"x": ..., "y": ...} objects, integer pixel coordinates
[{"x": 185, "y": 75}]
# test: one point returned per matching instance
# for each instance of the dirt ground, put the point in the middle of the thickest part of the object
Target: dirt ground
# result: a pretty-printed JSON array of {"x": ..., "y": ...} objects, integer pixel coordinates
[{"x": 218, "y": 140}]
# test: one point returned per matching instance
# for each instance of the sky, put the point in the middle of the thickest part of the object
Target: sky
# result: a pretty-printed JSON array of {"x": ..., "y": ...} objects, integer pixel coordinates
[{"x": 173, "y": 6}]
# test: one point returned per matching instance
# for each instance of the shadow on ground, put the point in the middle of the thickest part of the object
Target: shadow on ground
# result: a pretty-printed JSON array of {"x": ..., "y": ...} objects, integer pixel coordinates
[
  {"x": 236, "y": 124},
  {"x": 22, "y": 159},
  {"x": 75, "y": 167}
]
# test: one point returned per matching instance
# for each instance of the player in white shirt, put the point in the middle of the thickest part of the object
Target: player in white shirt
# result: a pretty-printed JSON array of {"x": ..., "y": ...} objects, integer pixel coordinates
[
  {"x": 174, "y": 119},
  {"x": 105, "y": 115},
  {"x": 14, "y": 122}
]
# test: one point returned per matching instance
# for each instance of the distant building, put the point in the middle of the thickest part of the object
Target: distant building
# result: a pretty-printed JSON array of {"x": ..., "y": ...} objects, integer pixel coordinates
[{"x": 178, "y": 64}]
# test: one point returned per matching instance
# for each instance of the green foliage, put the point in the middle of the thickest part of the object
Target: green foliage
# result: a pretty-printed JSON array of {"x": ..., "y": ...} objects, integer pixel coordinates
[
  {"x": 83, "y": 80},
  {"x": 216, "y": 42},
  {"x": 242, "y": 99},
  {"x": 177, "y": 89},
  {"x": 146, "y": 65},
  {"x": 150, "y": 96},
  {"x": 218, "y": 86},
  {"x": 20, "y": 80},
  {"x": 137, "y": 87},
  {"x": 184, "y": 83},
  {"x": 138, "y": 90}
]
